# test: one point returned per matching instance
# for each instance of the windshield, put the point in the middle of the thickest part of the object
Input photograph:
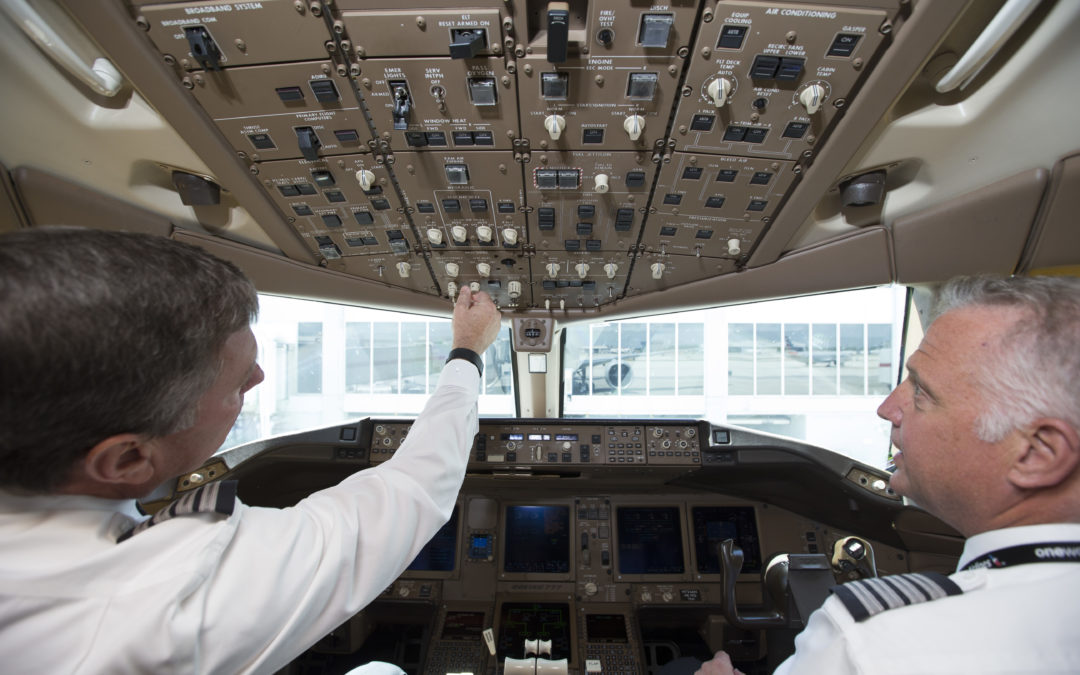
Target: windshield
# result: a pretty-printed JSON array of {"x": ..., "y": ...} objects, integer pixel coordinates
[
  {"x": 813, "y": 368},
  {"x": 328, "y": 363}
]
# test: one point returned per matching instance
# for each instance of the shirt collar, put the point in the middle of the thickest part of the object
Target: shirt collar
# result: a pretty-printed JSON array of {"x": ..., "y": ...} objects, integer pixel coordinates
[{"x": 992, "y": 540}]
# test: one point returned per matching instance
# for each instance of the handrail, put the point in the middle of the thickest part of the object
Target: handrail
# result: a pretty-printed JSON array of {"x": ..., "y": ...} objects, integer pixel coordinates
[
  {"x": 996, "y": 33},
  {"x": 101, "y": 76}
]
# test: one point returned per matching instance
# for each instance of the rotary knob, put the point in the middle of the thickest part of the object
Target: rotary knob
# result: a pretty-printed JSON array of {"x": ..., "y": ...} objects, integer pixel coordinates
[
  {"x": 483, "y": 269},
  {"x": 510, "y": 236},
  {"x": 404, "y": 269},
  {"x": 452, "y": 270},
  {"x": 554, "y": 125},
  {"x": 610, "y": 269},
  {"x": 552, "y": 270},
  {"x": 366, "y": 179},
  {"x": 582, "y": 269},
  {"x": 734, "y": 246},
  {"x": 718, "y": 91},
  {"x": 657, "y": 270},
  {"x": 459, "y": 233},
  {"x": 483, "y": 233},
  {"x": 634, "y": 125},
  {"x": 513, "y": 289},
  {"x": 434, "y": 235},
  {"x": 590, "y": 588},
  {"x": 600, "y": 183},
  {"x": 812, "y": 97}
]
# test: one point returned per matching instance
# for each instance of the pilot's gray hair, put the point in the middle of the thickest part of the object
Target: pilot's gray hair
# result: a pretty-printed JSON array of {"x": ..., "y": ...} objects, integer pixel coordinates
[
  {"x": 104, "y": 333},
  {"x": 1035, "y": 372}
]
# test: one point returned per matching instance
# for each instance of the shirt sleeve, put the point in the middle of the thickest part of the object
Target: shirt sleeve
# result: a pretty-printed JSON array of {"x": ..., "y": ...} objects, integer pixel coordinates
[
  {"x": 289, "y": 576},
  {"x": 823, "y": 647}
]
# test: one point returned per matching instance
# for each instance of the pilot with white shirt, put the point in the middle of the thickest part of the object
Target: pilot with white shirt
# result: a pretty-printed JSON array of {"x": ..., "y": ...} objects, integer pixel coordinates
[
  {"x": 125, "y": 359},
  {"x": 987, "y": 431}
]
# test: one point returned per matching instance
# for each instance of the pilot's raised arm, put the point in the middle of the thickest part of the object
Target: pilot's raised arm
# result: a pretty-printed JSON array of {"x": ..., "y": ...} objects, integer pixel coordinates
[{"x": 125, "y": 360}]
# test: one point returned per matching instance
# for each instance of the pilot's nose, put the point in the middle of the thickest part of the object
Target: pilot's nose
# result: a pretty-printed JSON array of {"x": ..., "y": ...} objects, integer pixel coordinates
[{"x": 890, "y": 408}]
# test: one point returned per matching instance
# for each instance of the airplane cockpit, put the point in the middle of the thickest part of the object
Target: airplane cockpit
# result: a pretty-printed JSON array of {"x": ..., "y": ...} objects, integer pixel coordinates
[{"x": 713, "y": 228}]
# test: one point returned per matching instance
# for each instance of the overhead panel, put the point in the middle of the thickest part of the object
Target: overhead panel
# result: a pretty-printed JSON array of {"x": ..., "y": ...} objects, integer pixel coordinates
[{"x": 560, "y": 156}]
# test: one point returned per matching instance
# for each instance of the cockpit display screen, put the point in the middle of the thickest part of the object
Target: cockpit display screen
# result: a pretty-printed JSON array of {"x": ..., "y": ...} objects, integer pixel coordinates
[
  {"x": 537, "y": 540},
  {"x": 605, "y": 627},
  {"x": 439, "y": 554},
  {"x": 463, "y": 626},
  {"x": 650, "y": 540},
  {"x": 714, "y": 524},
  {"x": 521, "y": 621}
]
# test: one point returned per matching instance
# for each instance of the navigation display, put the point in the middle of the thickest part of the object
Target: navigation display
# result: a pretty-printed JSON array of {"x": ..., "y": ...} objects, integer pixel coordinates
[
  {"x": 714, "y": 524},
  {"x": 650, "y": 540},
  {"x": 537, "y": 540},
  {"x": 439, "y": 554}
]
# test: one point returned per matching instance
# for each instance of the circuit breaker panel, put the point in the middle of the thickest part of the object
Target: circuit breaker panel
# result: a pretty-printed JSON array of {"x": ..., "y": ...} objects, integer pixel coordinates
[{"x": 558, "y": 155}]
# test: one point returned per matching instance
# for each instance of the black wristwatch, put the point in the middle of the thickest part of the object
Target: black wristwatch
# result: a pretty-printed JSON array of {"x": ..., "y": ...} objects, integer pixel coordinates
[{"x": 469, "y": 355}]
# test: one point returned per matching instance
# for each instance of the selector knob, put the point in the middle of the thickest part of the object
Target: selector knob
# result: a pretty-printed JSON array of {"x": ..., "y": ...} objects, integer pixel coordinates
[
  {"x": 483, "y": 233},
  {"x": 434, "y": 235},
  {"x": 646, "y": 596},
  {"x": 601, "y": 183},
  {"x": 475, "y": 287},
  {"x": 610, "y": 269},
  {"x": 667, "y": 596},
  {"x": 513, "y": 289},
  {"x": 634, "y": 125},
  {"x": 452, "y": 270},
  {"x": 365, "y": 178},
  {"x": 657, "y": 270},
  {"x": 451, "y": 289},
  {"x": 554, "y": 125},
  {"x": 582, "y": 269},
  {"x": 459, "y": 233},
  {"x": 510, "y": 236},
  {"x": 733, "y": 246},
  {"x": 483, "y": 269},
  {"x": 718, "y": 91},
  {"x": 590, "y": 588},
  {"x": 812, "y": 97},
  {"x": 404, "y": 269},
  {"x": 553, "y": 270}
]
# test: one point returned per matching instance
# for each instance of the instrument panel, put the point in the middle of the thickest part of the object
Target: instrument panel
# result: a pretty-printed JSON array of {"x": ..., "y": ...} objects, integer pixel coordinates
[
  {"x": 588, "y": 540},
  {"x": 558, "y": 155}
]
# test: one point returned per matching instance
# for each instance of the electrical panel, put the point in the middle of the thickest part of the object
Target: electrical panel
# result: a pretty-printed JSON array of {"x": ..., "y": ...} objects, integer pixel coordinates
[{"x": 559, "y": 156}]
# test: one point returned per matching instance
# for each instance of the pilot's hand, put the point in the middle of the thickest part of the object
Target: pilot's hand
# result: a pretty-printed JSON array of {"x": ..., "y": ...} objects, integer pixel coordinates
[
  {"x": 719, "y": 665},
  {"x": 476, "y": 320}
]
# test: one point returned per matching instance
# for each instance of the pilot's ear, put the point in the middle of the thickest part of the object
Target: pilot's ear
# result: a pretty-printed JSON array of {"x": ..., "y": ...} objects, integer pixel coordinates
[
  {"x": 124, "y": 459},
  {"x": 1051, "y": 454}
]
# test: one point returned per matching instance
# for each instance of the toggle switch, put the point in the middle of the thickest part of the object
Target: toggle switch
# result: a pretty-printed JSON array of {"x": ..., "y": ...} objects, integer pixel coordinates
[
  {"x": 558, "y": 31},
  {"x": 308, "y": 142},
  {"x": 365, "y": 178},
  {"x": 554, "y": 125},
  {"x": 718, "y": 91},
  {"x": 402, "y": 102},
  {"x": 451, "y": 289},
  {"x": 467, "y": 43},
  {"x": 634, "y": 125}
]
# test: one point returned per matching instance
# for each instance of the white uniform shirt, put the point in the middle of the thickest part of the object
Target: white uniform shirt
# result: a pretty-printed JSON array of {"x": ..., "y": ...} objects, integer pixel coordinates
[
  {"x": 203, "y": 594},
  {"x": 1018, "y": 619}
]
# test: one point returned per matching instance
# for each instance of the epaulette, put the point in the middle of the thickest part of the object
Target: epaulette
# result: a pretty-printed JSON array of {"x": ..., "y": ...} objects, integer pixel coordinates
[
  {"x": 867, "y": 597},
  {"x": 218, "y": 497}
]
